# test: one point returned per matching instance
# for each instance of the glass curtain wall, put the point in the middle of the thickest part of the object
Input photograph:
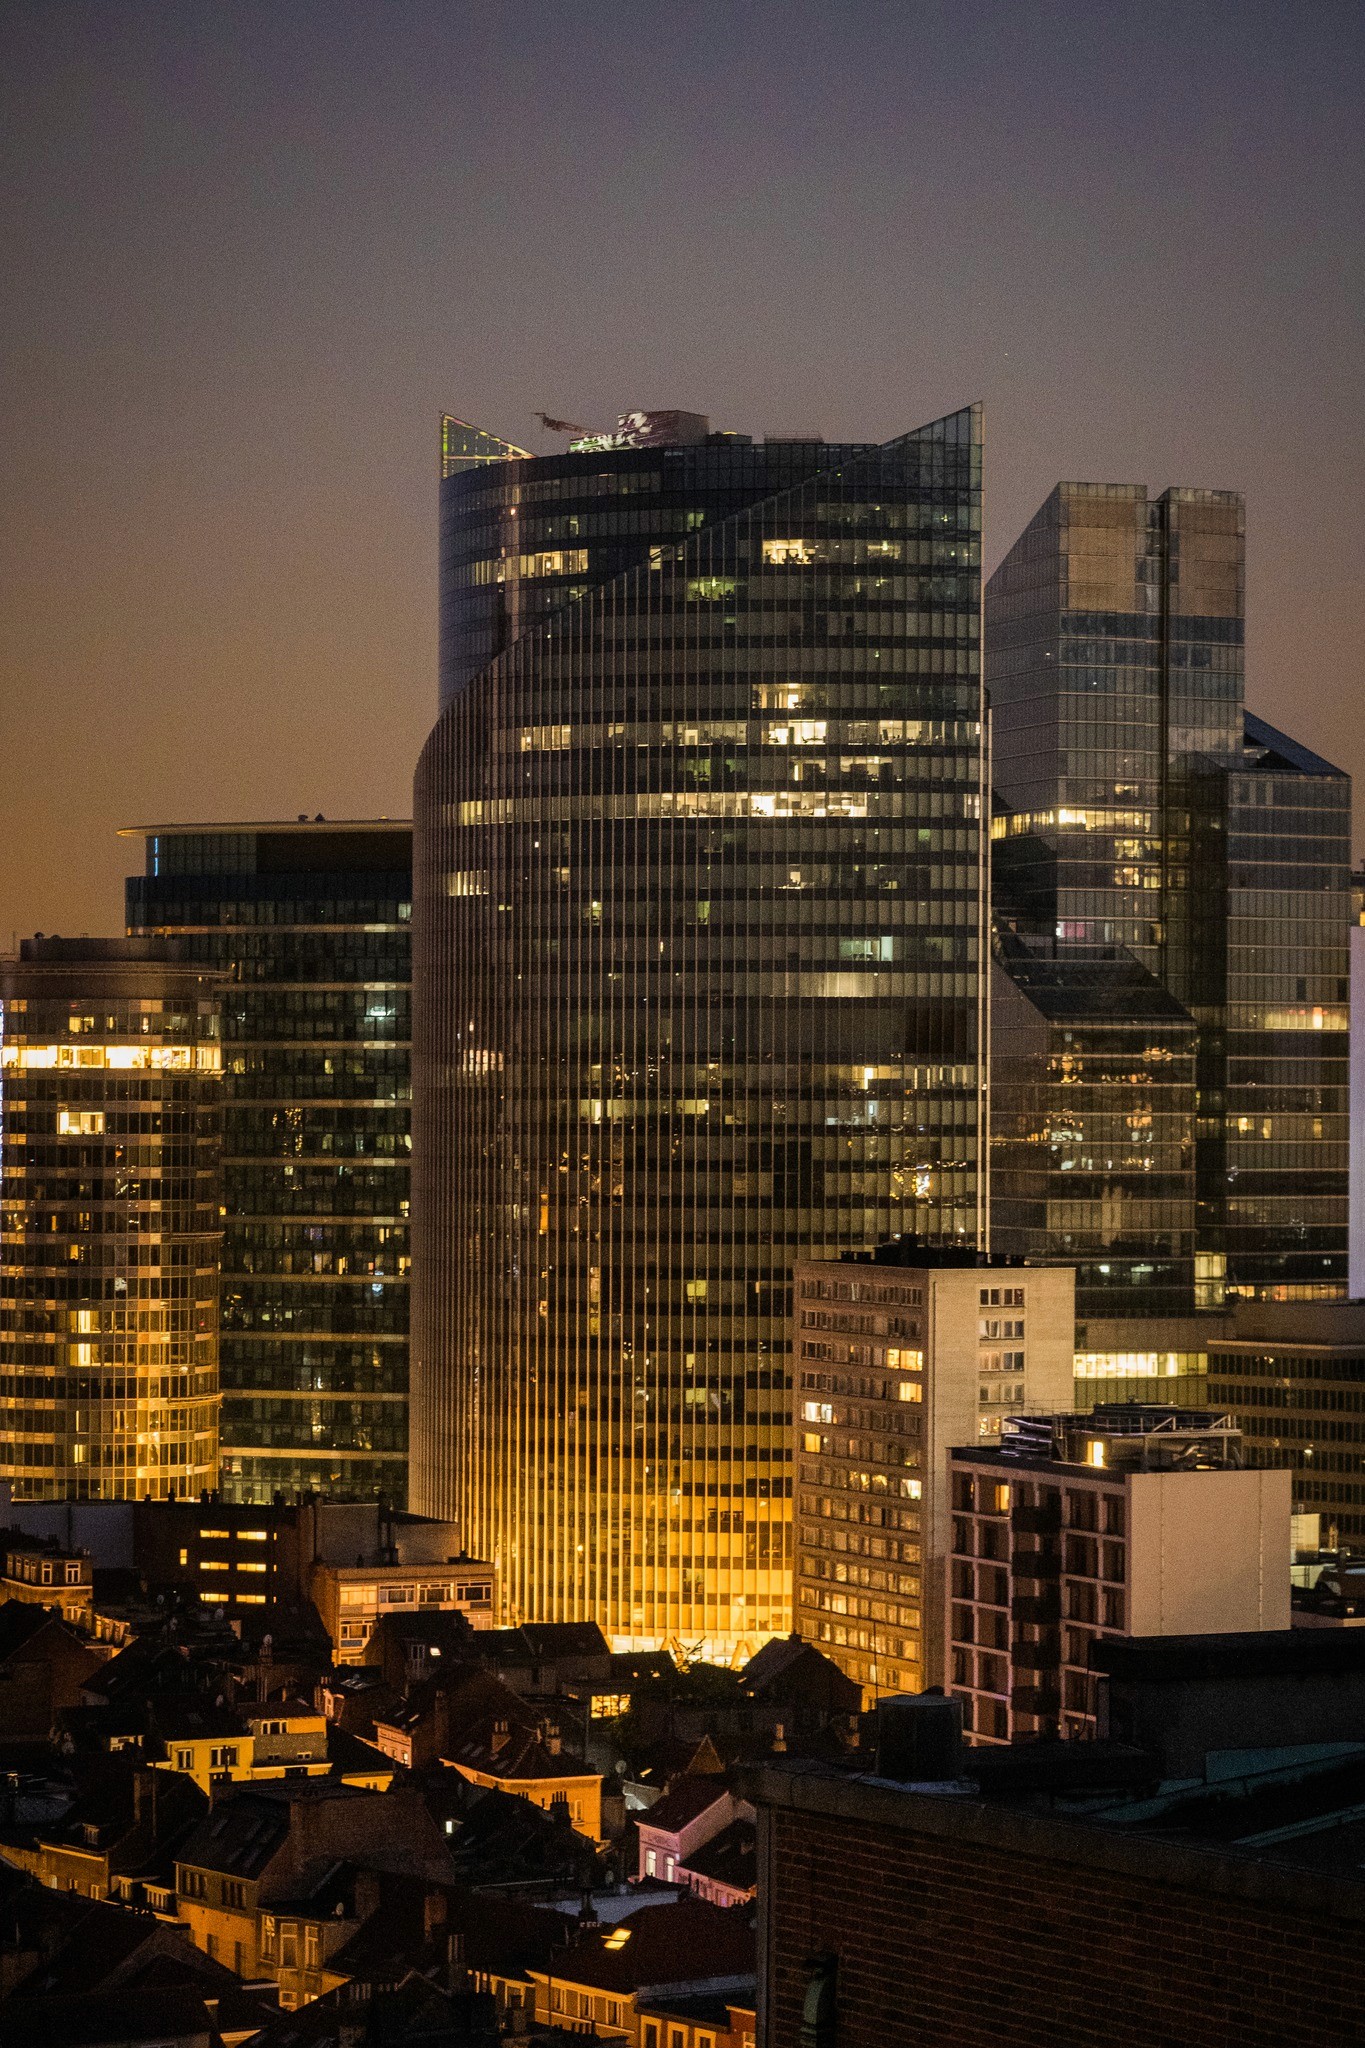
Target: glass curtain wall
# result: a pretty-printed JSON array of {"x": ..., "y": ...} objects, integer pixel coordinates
[
  {"x": 110, "y": 1064},
  {"x": 699, "y": 893},
  {"x": 1141, "y": 807},
  {"x": 310, "y": 924}
]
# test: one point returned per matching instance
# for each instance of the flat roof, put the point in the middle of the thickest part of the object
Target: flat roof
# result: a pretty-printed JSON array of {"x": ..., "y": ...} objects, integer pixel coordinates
[{"x": 267, "y": 825}]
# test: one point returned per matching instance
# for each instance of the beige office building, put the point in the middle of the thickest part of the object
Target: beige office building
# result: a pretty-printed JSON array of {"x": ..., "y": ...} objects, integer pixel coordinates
[
  {"x": 1130, "y": 1521},
  {"x": 896, "y": 1361}
]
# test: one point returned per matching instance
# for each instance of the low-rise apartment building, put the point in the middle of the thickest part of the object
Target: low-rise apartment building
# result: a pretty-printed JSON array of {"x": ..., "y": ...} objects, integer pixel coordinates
[
  {"x": 236, "y": 1745},
  {"x": 248, "y": 1877},
  {"x": 352, "y": 1598},
  {"x": 1073, "y": 1529},
  {"x": 45, "y": 1573},
  {"x": 622, "y": 1980}
]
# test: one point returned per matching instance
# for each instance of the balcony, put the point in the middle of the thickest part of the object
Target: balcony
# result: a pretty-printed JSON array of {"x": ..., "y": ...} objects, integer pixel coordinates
[
  {"x": 1043, "y": 1700},
  {"x": 1036, "y": 1564},
  {"x": 1036, "y": 1607},
  {"x": 1036, "y": 1521},
  {"x": 1044, "y": 1656}
]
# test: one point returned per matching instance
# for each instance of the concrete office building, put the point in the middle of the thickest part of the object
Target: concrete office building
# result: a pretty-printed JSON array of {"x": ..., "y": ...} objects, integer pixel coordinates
[
  {"x": 698, "y": 894},
  {"x": 895, "y": 1361},
  {"x": 1074, "y": 1529},
  {"x": 110, "y": 1072},
  {"x": 310, "y": 924}
]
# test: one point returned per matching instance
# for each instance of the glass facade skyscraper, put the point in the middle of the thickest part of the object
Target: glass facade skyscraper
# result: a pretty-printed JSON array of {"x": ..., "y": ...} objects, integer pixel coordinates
[
  {"x": 110, "y": 1065},
  {"x": 310, "y": 925},
  {"x": 699, "y": 888},
  {"x": 1093, "y": 1106},
  {"x": 1145, "y": 816}
]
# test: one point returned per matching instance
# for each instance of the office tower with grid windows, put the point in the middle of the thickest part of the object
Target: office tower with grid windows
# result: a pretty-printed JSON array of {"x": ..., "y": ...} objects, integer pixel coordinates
[
  {"x": 1170, "y": 876},
  {"x": 699, "y": 882},
  {"x": 110, "y": 1068},
  {"x": 896, "y": 1360},
  {"x": 309, "y": 922}
]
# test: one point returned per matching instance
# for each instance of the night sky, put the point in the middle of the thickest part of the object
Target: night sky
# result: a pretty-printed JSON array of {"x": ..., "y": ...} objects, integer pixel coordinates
[{"x": 251, "y": 252}]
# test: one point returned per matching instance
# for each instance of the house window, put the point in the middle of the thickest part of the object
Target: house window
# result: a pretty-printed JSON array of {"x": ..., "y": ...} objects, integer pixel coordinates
[
  {"x": 268, "y": 1936},
  {"x": 616, "y": 2013},
  {"x": 310, "y": 1947},
  {"x": 223, "y": 1757},
  {"x": 651, "y": 1863},
  {"x": 650, "y": 2038},
  {"x": 234, "y": 1893},
  {"x": 184, "y": 1759}
]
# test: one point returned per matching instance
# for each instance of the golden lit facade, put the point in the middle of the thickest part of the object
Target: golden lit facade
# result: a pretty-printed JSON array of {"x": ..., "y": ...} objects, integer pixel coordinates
[
  {"x": 698, "y": 890},
  {"x": 109, "y": 1076}
]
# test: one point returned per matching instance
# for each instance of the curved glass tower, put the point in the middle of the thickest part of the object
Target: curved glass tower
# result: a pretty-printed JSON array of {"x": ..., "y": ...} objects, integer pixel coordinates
[{"x": 698, "y": 901}]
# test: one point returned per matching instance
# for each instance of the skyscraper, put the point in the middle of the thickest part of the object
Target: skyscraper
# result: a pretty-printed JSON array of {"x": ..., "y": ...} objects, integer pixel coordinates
[
  {"x": 310, "y": 925},
  {"x": 1159, "y": 851},
  {"x": 109, "y": 1136},
  {"x": 698, "y": 898}
]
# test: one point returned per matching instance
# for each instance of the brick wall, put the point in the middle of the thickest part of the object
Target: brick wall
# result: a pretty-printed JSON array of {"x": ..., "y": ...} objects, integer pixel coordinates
[{"x": 963, "y": 1945}]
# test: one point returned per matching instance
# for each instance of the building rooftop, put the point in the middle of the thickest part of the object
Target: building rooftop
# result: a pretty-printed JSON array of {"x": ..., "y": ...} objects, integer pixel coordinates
[
  {"x": 1067, "y": 980},
  {"x": 1258, "y": 1653},
  {"x": 683, "y": 1803},
  {"x": 689, "y": 1943},
  {"x": 1121, "y": 1436},
  {"x": 729, "y": 1858},
  {"x": 1264, "y": 1839},
  {"x": 1277, "y": 750},
  {"x": 272, "y": 825}
]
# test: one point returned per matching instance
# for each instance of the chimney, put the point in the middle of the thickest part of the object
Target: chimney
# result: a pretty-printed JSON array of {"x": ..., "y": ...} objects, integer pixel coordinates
[
  {"x": 779, "y": 1738},
  {"x": 440, "y": 1714},
  {"x": 366, "y": 1895},
  {"x": 552, "y": 1741},
  {"x": 433, "y": 1914},
  {"x": 457, "y": 1967}
]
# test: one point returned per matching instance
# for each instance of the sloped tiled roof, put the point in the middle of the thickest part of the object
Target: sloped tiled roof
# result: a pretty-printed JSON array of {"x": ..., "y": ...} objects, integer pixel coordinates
[
  {"x": 690, "y": 1942},
  {"x": 686, "y": 1802},
  {"x": 92, "y": 2019},
  {"x": 21, "y": 1621},
  {"x": 729, "y": 1858},
  {"x": 516, "y": 1757},
  {"x": 239, "y": 1837}
]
